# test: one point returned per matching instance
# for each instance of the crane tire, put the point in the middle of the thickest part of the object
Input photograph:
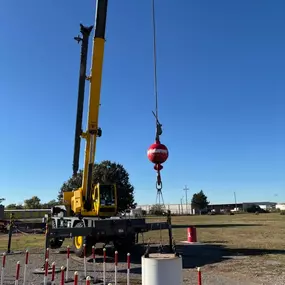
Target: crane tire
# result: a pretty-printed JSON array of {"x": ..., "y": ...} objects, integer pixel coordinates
[{"x": 79, "y": 241}]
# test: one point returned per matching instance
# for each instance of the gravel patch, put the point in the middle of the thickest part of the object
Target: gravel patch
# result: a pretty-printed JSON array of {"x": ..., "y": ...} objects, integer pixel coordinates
[
  {"x": 215, "y": 273},
  {"x": 36, "y": 260}
]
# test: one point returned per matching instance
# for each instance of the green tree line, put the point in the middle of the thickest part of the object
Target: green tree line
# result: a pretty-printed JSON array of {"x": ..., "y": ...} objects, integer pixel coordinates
[
  {"x": 32, "y": 203},
  {"x": 104, "y": 172}
]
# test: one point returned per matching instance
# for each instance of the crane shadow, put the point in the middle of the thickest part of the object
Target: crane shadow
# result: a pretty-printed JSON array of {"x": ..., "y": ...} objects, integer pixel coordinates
[
  {"x": 199, "y": 255},
  {"x": 201, "y": 226}
]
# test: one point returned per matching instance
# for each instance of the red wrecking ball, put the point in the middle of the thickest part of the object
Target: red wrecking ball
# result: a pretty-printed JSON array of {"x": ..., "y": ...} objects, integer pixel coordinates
[{"x": 157, "y": 153}]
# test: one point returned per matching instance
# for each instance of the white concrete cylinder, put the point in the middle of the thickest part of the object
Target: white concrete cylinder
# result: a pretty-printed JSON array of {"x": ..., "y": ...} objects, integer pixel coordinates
[{"x": 162, "y": 269}]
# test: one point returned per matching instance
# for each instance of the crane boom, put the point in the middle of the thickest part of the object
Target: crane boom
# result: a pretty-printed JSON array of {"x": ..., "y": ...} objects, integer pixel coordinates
[
  {"x": 95, "y": 79},
  {"x": 85, "y": 31},
  {"x": 89, "y": 199}
]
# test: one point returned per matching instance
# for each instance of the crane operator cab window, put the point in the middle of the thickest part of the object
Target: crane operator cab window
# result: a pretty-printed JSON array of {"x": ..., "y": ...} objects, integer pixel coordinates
[{"x": 107, "y": 195}]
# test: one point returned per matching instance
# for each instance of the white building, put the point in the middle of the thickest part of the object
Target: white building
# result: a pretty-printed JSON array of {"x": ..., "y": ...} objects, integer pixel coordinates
[
  {"x": 280, "y": 206},
  {"x": 178, "y": 209}
]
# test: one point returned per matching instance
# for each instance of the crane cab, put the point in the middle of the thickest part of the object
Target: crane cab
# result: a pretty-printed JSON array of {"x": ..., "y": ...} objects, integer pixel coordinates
[{"x": 105, "y": 200}]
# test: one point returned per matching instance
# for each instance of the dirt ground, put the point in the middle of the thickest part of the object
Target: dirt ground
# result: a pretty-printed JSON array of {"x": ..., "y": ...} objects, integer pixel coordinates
[{"x": 239, "y": 249}]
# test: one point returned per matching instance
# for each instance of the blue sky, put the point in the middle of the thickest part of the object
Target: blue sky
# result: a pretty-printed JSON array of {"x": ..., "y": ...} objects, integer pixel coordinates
[{"x": 221, "y": 84}]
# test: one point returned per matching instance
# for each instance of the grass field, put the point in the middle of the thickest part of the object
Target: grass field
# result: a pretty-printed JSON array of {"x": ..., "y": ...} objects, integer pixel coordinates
[
  {"x": 255, "y": 244},
  {"x": 259, "y": 238},
  {"x": 247, "y": 231}
]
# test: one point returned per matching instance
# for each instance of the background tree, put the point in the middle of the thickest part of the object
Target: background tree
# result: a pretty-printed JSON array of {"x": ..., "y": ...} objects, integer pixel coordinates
[
  {"x": 14, "y": 206},
  {"x": 157, "y": 210},
  {"x": 11, "y": 206},
  {"x": 2, "y": 200},
  {"x": 200, "y": 201},
  {"x": 106, "y": 172},
  {"x": 33, "y": 203},
  {"x": 49, "y": 204},
  {"x": 72, "y": 183}
]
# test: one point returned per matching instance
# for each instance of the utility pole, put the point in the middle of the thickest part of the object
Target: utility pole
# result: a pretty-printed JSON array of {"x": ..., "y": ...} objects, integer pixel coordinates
[
  {"x": 186, "y": 202},
  {"x": 235, "y": 200}
]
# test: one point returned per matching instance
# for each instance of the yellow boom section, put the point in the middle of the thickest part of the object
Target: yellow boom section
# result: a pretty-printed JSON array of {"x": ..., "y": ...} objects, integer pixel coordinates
[{"x": 93, "y": 112}]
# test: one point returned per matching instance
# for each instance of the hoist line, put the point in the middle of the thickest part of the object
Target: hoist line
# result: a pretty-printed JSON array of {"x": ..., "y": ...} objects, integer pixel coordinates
[
  {"x": 159, "y": 195},
  {"x": 158, "y": 125},
  {"x": 154, "y": 60}
]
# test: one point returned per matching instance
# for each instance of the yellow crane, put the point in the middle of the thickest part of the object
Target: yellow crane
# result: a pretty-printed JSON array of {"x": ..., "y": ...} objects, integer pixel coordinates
[{"x": 90, "y": 213}]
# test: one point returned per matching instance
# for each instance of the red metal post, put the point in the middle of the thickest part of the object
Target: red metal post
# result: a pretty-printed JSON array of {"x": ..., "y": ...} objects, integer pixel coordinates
[{"x": 199, "y": 276}]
